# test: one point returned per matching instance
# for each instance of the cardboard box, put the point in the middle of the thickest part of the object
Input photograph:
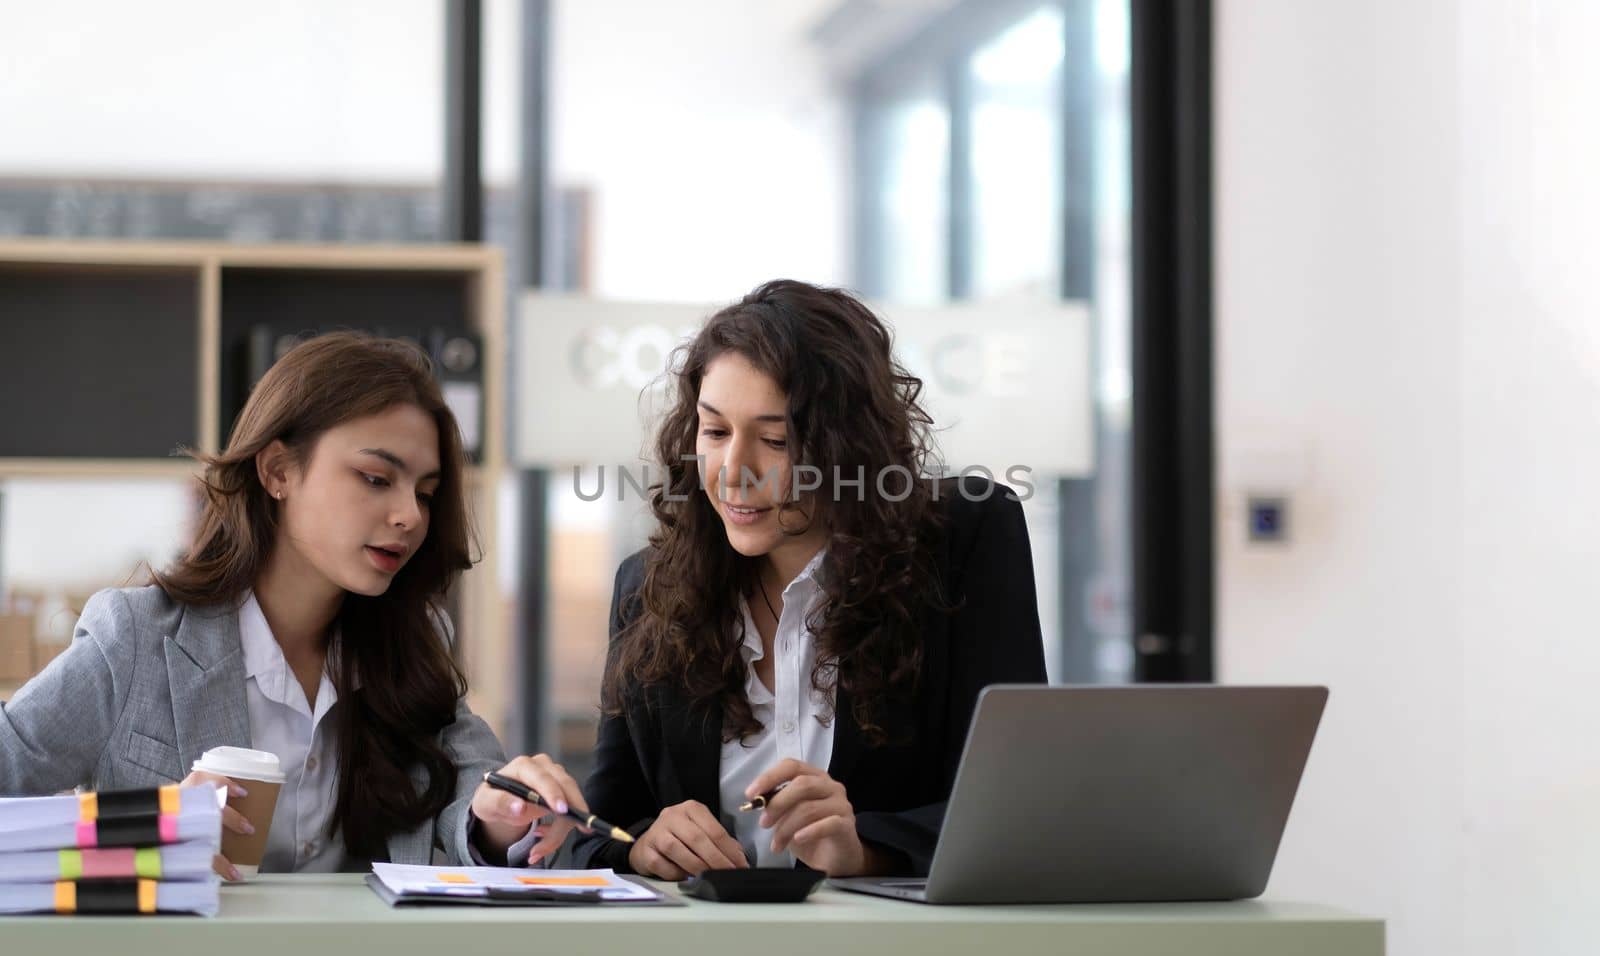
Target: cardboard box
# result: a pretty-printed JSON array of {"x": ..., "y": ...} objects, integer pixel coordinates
[{"x": 16, "y": 647}]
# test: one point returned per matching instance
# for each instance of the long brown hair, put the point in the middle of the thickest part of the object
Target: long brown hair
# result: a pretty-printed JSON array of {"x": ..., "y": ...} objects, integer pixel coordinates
[
  {"x": 397, "y": 685},
  {"x": 851, "y": 406}
]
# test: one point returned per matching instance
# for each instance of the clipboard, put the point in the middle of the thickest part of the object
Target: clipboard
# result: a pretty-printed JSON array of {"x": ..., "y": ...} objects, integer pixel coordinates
[{"x": 516, "y": 896}]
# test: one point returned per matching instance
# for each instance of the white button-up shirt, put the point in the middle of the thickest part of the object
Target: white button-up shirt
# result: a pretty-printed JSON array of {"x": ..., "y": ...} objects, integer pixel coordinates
[
  {"x": 284, "y": 723},
  {"x": 791, "y": 713}
]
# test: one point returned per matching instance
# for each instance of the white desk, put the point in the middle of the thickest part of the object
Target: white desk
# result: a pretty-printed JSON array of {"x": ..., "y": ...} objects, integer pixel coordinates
[{"x": 302, "y": 915}]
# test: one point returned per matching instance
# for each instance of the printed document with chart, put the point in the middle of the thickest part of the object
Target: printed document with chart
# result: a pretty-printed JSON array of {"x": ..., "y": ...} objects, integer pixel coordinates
[{"x": 399, "y": 884}]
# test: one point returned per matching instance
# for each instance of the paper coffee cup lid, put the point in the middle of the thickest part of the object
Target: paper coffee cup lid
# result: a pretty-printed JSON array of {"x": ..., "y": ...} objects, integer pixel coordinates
[{"x": 241, "y": 762}]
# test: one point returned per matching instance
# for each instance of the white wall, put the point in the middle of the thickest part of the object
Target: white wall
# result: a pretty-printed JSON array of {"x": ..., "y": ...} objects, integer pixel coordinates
[
  {"x": 716, "y": 148},
  {"x": 60, "y": 537},
  {"x": 1338, "y": 291},
  {"x": 288, "y": 90},
  {"x": 1531, "y": 469},
  {"x": 1403, "y": 196}
]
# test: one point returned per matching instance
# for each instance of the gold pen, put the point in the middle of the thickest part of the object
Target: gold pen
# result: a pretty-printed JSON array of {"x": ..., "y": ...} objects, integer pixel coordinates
[{"x": 761, "y": 800}]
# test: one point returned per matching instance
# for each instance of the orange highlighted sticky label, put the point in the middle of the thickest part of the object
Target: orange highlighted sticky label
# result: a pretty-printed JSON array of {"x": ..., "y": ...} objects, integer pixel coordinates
[
  {"x": 459, "y": 878},
  {"x": 563, "y": 881}
]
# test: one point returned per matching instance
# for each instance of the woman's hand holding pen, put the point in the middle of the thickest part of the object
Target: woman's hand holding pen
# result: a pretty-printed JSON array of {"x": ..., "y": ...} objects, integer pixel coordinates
[
  {"x": 810, "y": 815},
  {"x": 231, "y": 818},
  {"x": 685, "y": 840},
  {"x": 506, "y": 818}
]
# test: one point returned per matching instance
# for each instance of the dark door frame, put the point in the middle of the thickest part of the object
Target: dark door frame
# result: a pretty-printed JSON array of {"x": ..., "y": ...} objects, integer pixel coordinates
[{"x": 1173, "y": 457}]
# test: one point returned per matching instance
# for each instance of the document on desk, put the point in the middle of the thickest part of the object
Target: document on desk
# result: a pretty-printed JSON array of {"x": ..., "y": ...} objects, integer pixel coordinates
[
  {"x": 111, "y": 897},
  {"x": 399, "y": 883},
  {"x": 176, "y": 861},
  {"x": 129, "y": 818},
  {"x": 32, "y": 813}
]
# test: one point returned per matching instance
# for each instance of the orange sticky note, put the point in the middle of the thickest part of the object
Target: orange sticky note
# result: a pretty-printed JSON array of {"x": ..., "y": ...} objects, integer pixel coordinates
[
  {"x": 455, "y": 878},
  {"x": 563, "y": 881}
]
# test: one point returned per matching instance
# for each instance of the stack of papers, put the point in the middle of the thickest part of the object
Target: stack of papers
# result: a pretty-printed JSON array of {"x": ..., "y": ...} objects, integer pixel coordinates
[
  {"x": 397, "y": 883},
  {"x": 125, "y": 852}
]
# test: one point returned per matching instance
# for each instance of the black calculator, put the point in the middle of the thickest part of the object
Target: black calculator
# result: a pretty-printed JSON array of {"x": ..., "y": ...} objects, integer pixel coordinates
[{"x": 754, "y": 885}]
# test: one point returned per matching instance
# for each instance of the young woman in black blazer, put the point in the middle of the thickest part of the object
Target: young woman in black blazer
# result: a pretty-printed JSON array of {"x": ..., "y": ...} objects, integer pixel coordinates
[{"x": 812, "y": 616}]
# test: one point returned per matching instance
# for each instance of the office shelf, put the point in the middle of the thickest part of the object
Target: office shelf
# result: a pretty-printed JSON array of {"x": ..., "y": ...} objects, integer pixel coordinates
[{"x": 116, "y": 355}]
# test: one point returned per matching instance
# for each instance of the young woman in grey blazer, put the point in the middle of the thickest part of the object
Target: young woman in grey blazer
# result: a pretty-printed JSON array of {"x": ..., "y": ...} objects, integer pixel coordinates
[{"x": 304, "y": 619}]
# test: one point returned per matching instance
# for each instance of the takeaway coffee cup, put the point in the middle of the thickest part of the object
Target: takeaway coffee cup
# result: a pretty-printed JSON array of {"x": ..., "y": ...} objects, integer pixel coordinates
[{"x": 259, "y": 773}]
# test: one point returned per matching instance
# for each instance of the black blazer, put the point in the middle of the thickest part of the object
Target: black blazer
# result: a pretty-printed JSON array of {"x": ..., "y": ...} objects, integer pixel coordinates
[{"x": 658, "y": 753}]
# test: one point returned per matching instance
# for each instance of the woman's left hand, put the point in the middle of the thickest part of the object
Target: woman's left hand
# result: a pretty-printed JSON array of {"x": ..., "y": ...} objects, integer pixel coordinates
[{"x": 813, "y": 819}]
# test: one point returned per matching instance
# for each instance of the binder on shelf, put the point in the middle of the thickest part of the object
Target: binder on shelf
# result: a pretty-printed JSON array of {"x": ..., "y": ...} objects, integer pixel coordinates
[
  {"x": 457, "y": 357},
  {"x": 458, "y": 365}
]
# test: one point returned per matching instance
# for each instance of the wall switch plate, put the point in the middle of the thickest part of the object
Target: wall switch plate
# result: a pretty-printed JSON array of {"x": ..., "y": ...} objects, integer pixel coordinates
[{"x": 1268, "y": 519}]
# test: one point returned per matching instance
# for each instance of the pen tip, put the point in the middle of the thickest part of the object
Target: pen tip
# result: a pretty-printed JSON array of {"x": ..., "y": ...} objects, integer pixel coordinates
[{"x": 621, "y": 835}]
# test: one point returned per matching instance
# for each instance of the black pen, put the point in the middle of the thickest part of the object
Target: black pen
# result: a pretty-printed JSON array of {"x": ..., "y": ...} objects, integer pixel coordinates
[
  {"x": 517, "y": 789},
  {"x": 761, "y": 800}
]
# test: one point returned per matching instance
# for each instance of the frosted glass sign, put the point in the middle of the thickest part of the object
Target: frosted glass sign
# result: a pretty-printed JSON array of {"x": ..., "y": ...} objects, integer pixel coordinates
[{"x": 1007, "y": 383}]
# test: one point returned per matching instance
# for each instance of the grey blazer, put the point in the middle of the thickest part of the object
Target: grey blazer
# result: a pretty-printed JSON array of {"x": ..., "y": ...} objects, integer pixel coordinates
[{"x": 148, "y": 685}]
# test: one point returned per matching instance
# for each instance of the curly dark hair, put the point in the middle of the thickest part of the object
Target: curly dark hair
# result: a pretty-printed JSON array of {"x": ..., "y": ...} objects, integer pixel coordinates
[{"x": 850, "y": 406}]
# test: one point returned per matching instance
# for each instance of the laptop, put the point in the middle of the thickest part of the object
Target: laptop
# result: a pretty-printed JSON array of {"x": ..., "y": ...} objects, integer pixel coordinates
[{"x": 1117, "y": 794}]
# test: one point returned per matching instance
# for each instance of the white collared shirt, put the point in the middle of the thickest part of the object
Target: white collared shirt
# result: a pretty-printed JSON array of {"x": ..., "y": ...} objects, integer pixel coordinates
[
  {"x": 790, "y": 714},
  {"x": 284, "y": 723}
]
